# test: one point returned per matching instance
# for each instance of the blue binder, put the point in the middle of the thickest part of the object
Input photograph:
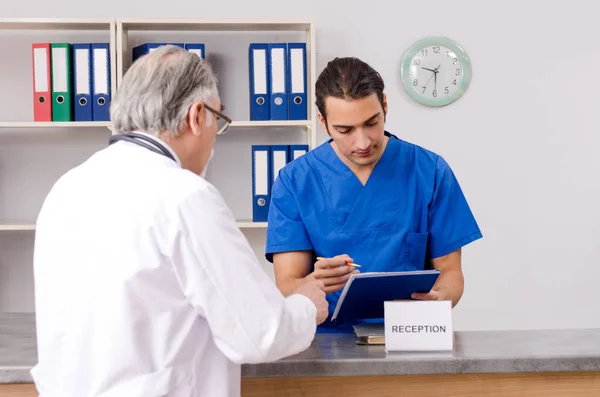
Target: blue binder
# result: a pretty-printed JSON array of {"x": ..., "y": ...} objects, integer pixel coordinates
[
  {"x": 261, "y": 182},
  {"x": 279, "y": 159},
  {"x": 258, "y": 62},
  {"x": 81, "y": 59},
  {"x": 278, "y": 105},
  {"x": 363, "y": 295},
  {"x": 146, "y": 48},
  {"x": 297, "y": 81},
  {"x": 196, "y": 48},
  {"x": 143, "y": 49},
  {"x": 101, "y": 78},
  {"x": 297, "y": 151}
]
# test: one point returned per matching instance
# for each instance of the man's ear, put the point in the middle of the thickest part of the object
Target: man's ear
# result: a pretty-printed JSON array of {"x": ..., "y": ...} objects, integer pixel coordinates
[
  {"x": 385, "y": 107},
  {"x": 197, "y": 118},
  {"x": 323, "y": 121}
]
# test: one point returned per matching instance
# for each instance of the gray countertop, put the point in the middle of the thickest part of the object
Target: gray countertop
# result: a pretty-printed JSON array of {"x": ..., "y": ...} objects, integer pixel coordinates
[{"x": 338, "y": 355}]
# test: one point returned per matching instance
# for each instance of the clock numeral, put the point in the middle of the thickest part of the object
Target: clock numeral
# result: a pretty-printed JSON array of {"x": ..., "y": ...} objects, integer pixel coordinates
[
  {"x": 424, "y": 88},
  {"x": 424, "y": 52},
  {"x": 454, "y": 82},
  {"x": 417, "y": 61},
  {"x": 434, "y": 93},
  {"x": 415, "y": 82},
  {"x": 446, "y": 90},
  {"x": 454, "y": 61},
  {"x": 458, "y": 72},
  {"x": 436, "y": 49}
]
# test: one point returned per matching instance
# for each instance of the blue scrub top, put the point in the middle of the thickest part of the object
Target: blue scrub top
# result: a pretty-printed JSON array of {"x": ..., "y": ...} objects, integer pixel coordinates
[{"x": 410, "y": 210}]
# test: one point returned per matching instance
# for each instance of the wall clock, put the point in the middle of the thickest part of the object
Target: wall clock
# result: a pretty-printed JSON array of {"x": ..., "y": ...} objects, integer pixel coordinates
[{"x": 435, "y": 71}]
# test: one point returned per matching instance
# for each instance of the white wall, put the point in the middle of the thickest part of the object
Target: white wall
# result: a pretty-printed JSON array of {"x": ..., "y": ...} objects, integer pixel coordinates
[{"x": 523, "y": 140}]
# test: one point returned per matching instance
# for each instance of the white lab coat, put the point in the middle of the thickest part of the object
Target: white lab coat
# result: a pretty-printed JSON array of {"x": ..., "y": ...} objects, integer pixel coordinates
[{"x": 145, "y": 287}]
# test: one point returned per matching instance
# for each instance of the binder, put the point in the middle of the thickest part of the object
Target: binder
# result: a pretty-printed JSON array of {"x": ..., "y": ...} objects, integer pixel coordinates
[
  {"x": 278, "y": 104},
  {"x": 297, "y": 151},
  {"x": 363, "y": 295},
  {"x": 197, "y": 49},
  {"x": 101, "y": 93},
  {"x": 82, "y": 79},
  {"x": 42, "y": 83},
  {"x": 297, "y": 81},
  {"x": 279, "y": 159},
  {"x": 143, "y": 49},
  {"x": 147, "y": 48},
  {"x": 259, "y": 81},
  {"x": 62, "y": 90},
  {"x": 261, "y": 182}
]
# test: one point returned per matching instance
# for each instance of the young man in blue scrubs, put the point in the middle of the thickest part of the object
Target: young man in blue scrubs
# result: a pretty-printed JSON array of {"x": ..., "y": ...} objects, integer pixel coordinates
[{"x": 365, "y": 196}]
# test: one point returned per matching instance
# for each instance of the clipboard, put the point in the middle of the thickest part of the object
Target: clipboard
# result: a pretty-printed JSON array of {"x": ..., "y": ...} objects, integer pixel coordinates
[{"x": 364, "y": 293}]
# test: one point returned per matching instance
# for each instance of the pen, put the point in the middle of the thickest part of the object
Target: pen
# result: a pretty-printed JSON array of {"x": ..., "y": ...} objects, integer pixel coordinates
[{"x": 349, "y": 264}]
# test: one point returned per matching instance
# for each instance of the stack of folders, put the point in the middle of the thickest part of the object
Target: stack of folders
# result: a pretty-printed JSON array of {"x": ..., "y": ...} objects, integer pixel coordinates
[
  {"x": 278, "y": 81},
  {"x": 369, "y": 334},
  {"x": 146, "y": 48},
  {"x": 71, "y": 82},
  {"x": 267, "y": 161}
]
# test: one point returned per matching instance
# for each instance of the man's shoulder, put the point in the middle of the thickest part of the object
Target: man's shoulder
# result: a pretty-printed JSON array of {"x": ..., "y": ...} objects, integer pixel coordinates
[
  {"x": 416, "y": 151},
  {"x": 421, "y": 158},
  {"x": 182, "y": 185},
  {"x": 299, "y": 168}
]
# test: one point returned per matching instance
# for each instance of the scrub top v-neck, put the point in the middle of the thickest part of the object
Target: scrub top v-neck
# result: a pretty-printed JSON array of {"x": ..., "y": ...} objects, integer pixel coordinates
[{"x": 411, "y": 209}]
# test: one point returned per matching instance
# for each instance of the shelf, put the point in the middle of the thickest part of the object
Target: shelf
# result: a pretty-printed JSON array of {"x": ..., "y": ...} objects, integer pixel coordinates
[
  {"x": 54, "y": 24},
  {"x": 70, "y": 30},
  {"x": 134, "y": 31},
  {"x": 271, "y": 124},
  {"x": 24, "y": 227},
  {"x": 213, "y": 25},
  {"x": 102, "y": 124},
  {"x": 56, "y": 124},
  {"x": 16, "y": 227}
]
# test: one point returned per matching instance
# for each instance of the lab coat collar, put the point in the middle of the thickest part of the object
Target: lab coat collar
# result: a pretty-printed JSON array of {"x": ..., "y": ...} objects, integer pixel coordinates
[{"x": 163, "y": 143}]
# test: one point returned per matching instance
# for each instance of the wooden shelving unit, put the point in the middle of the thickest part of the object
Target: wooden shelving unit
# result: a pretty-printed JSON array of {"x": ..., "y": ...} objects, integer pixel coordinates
[{"x": 34, "y": 154}]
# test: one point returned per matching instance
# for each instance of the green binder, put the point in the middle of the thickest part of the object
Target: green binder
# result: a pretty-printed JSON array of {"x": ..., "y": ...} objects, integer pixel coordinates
[{"x": 62, "y": 86}]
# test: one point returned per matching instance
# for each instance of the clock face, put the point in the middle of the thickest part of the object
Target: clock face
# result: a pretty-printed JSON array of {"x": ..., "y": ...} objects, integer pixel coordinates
[{"x": 435, "y": 72}]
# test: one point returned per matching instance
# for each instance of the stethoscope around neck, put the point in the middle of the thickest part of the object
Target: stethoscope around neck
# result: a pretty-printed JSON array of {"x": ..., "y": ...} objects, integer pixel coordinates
[{"x": 143, "y": 141}]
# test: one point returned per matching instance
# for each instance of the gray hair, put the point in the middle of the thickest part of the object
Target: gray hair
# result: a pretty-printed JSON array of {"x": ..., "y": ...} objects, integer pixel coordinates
[{"x": 158, "y": 90}]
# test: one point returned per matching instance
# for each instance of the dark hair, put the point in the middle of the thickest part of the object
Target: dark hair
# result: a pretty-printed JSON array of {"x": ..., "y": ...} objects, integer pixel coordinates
[{"x": 347, "y": 78}]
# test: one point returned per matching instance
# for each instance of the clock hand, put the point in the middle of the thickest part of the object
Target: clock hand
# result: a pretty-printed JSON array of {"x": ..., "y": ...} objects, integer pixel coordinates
[
  {"x": 429, "y": 80},
  {"x": 431, "y": 70},
  {"x": 435, "y": 72}
]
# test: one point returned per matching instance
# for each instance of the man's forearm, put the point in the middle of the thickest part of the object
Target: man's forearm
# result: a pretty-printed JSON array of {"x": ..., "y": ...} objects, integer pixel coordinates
[
  {"x": 289, "y": 285},
  {"x": 291, "y": 269},
  {"x": 451, "y": 284}
]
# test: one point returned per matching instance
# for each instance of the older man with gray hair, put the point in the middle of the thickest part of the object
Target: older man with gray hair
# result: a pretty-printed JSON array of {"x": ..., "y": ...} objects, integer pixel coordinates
[{"x": 144, "y": 285}]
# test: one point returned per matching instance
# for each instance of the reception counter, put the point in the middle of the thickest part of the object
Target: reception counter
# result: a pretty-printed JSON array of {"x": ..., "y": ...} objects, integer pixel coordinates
[{"x": 491, "y": 363}]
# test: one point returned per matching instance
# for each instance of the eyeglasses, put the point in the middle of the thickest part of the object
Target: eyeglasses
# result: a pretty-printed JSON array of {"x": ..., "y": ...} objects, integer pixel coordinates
[{"x": 222, "y": 120}]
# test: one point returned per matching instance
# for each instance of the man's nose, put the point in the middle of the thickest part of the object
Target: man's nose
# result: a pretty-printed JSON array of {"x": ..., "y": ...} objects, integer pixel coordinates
[{"x": 362, "y": 141}]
